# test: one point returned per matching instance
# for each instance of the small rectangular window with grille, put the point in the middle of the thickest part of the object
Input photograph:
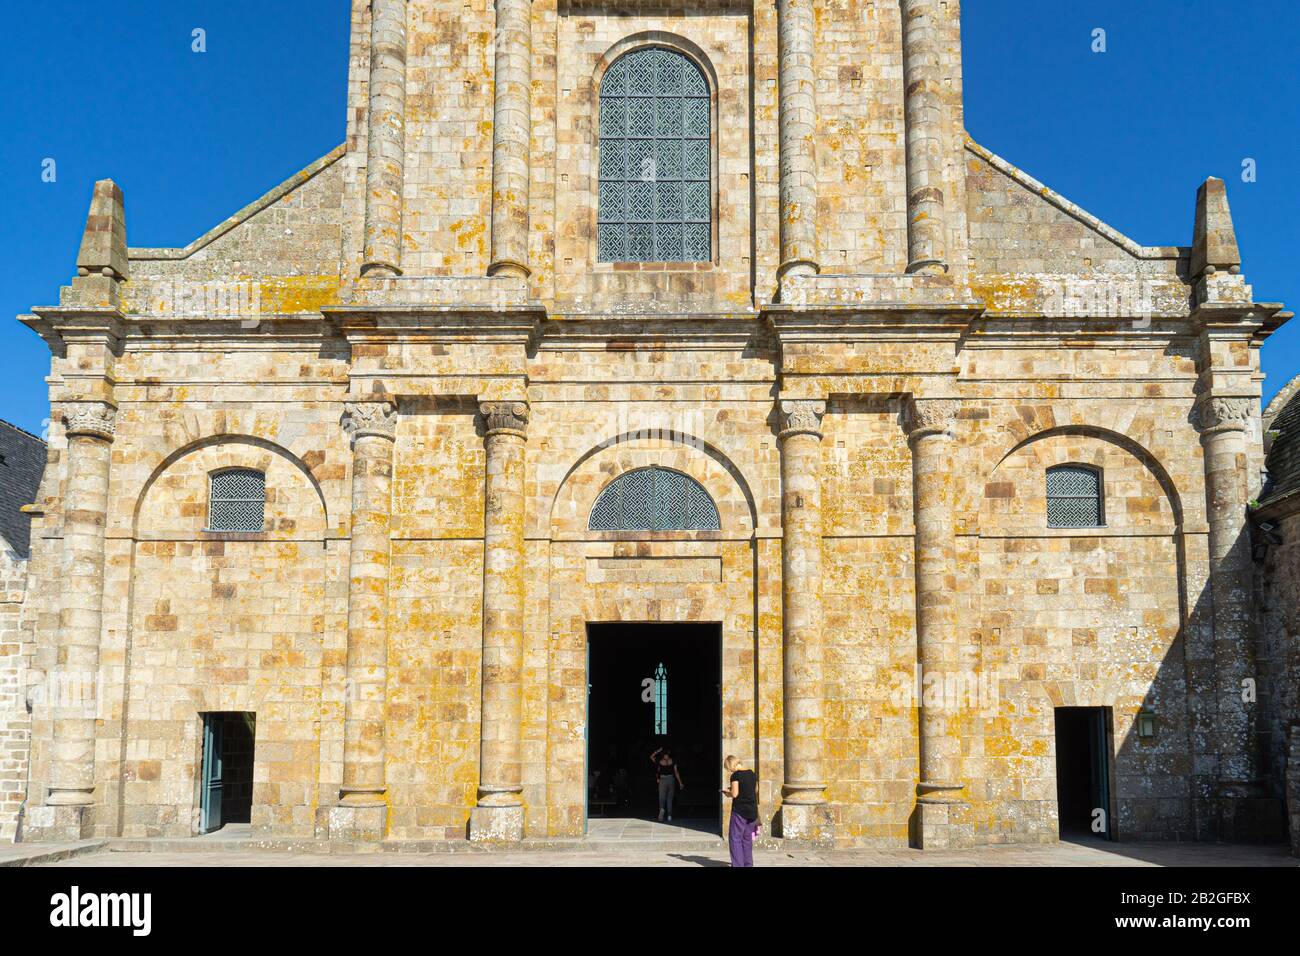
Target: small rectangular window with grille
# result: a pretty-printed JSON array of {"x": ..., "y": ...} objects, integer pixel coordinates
[
  {"x": 237, "y": 500},
  {"x": 1074, "y": 497}
]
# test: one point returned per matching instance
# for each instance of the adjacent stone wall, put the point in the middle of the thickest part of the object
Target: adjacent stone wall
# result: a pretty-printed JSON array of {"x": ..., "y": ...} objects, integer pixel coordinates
[
  {"x": 232, "y": 622},
  {"x": 15, "y": 720},
  {"x": 1079, "y": 618},
  {"x": 1278, "y": 596}
]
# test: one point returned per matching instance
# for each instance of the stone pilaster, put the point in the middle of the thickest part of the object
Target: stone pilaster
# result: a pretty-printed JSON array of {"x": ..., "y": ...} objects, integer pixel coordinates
[
  {"x": 939, "y": 792},
  {"x": 798, "y": 119},
  {"x": 1223, "y": 422},
  {"x": 499, "y": 815},
  {"x": 511, "y": 130},
  {"x": 72, "y": 689},
  {"x": 805, "y": 814},
  {"x": 923, "y": 107},
  {"x": 362, "y": 812},
  {"x": 386, "y": 139}
]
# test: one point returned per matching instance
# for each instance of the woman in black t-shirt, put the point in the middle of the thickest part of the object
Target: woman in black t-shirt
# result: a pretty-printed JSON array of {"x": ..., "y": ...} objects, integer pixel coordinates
[
  {"x": 668, "y": 779},
  {"x": 744, "y": 812}
]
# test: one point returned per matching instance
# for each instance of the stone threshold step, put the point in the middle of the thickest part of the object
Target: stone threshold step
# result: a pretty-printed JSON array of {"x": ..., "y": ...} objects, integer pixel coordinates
[
  {"x": 34, "y": 854},
  {"x": 312, "y": 846}
]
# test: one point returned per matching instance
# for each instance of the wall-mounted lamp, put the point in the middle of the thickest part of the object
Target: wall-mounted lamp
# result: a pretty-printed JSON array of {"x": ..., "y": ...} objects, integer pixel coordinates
[{"x": 1146, "y": 725}]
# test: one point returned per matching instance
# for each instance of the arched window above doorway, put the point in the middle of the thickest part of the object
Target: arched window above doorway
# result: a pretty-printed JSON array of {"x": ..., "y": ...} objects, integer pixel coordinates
[
  {"x": 654, "y": 499},
  {"x": 656, "y": 193}
]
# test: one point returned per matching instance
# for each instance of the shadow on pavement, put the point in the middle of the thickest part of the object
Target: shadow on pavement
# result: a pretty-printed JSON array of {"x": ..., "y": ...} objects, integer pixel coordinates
[{"x": 698, "y": 860}]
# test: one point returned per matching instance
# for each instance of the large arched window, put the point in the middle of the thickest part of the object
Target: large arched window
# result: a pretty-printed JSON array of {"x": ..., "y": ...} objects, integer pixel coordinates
[
  {"x": 654, "y": 499},
  {"x": 1074, "y": 498},
  {"x": 656, "y": 197},
  {"x": 237, "y": 500}
]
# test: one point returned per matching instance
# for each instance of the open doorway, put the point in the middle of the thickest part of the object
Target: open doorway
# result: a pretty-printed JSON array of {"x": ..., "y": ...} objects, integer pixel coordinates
[
  {"x": 651, "y": 685},
  {"x": 1083, "y": 772},
  {"x": 226, "y": 787}
]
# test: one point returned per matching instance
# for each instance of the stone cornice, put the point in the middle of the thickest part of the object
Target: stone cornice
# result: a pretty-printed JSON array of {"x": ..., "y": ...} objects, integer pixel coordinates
[
  {"x": 436, "y": 324},
  {"x": 58, "y": 325},
  {"x": 603, "y": 330},
  {"x": 876, "y": 322},
  {"x": 1004, "y": 330},
  {"x": 1255, "y": 321}
]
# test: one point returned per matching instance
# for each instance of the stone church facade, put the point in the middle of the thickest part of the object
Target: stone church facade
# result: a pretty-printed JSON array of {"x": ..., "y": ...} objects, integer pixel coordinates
[{"x": 975, "y": 456}]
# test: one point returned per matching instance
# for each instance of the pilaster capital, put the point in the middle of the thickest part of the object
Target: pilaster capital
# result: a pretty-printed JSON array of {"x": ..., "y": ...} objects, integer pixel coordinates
[
  {"x": 801, "y": 417},
  {"x": 96, "y": 419},
  {"x": 1223, "y": 414},
  {"x": 370, "y": 418},
  {"x": 505, "y": 418},
  {"x": 930, "y": 416}
]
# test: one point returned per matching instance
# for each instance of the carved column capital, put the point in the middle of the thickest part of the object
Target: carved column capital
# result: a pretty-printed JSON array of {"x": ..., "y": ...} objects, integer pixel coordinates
[
  {"x": 1223, "y": 414},
  {"x": 97, "y": 419},
  {"x": 930, "y": 416},
  {"x": 370, "y": 418},
  {"x": 505, "y": 418},
  {"x": 801, "y": 417}
]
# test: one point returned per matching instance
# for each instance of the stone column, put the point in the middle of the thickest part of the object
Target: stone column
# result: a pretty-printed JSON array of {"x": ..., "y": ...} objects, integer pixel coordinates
[
  {"x": 1223, "y": 422},
  {"x": 798, "y": 118},
  {"x": 805, "y": 815},
  {"x": 499, "y": 815},
  {"x": 386, "y": 139},
  {"x": 73, "y": 691},
  {"x": 940, "y": 790},
  {"x": 362, "y": 813},
  {"x": 511, "y": 129},
  {"x": 923, "y": 106}
]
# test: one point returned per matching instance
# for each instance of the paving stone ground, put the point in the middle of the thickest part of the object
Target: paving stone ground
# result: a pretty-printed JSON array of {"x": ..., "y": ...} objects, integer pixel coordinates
[{"x": 631, "y": 855}]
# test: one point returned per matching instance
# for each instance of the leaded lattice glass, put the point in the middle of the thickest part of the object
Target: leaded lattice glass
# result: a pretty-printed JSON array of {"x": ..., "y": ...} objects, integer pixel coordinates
[
  {"x": 1074, "y": 497},
  {"x": 654, "y": 499},
  {"x": 237, "y": 501},
  {"x": 655, "y": 202}
]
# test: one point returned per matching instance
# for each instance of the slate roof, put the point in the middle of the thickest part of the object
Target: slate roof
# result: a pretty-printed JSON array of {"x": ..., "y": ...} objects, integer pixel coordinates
[
  {"x": 22, "y": 462},
  {"x": 1283, "y": 462}
]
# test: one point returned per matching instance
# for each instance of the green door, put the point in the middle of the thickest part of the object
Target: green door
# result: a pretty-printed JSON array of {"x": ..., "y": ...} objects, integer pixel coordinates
[
  {"x": 210, "y": 797},
  {"x": 1101, "y": 767}
]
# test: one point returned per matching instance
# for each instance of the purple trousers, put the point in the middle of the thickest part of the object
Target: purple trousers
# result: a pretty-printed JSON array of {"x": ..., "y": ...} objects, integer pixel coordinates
[{"x": 740, "y": 835}]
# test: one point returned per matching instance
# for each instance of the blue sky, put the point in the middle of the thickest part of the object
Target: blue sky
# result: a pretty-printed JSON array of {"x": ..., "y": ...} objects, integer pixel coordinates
[{"x": 1185, "y": 89}]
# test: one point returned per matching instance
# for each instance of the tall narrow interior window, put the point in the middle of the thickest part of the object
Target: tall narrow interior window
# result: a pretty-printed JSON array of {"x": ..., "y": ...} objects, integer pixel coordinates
[
  {"x": 237, "y": 500},
  {"x": 661, "y": 699},
  {"x": 656, "y": 198},
  {"x": 654, "y": 499},
  {"x": 1074, "y": 497}
]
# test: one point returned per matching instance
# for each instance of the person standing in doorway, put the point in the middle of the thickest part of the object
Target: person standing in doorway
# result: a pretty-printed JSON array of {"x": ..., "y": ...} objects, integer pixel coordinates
[
  {"x": 743, "y": 791},
  {"x": 668, "y": 778}
]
